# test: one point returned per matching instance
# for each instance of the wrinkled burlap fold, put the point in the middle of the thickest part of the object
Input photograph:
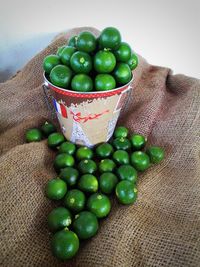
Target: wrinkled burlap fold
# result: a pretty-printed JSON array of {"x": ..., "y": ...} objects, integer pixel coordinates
[{"x": 161, "y": 229}]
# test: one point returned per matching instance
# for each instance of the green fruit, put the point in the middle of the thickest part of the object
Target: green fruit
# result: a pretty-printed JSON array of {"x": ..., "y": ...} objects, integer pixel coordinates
[
  {"x": 64, "y": 244},
  {"x": 55, "y": 139},
  {"x": 56, "y": 189},
  {"x": 60, "y": 49},
  {"x": 104, "y": 82},
  {"x": 87, "y": 166},
  {"x": 110, "y": 38},
  {"x": 67, "y": 147},
  {"x": 104, "y": 62},
  {"x": 88, "y": 183},
  {"x": 63, "y": 160},
  {"x": 121, "y": 157},
  {"x": 99, "y": 204},
  {"x": 48, "y": 128},
  {"x": 50, "y": 62},
  {"x": 140, "y": 160},
  {"x": 121, "y": 143},
  {"x": 82, "y": 83},
  {"x": 59, "y": 218},
  {"x": 33, "y": 135},
  {"x": 66, "y": 54},
  {"x": 133, "y": 62},
  {"x": 127, "y": 172},
  {"x": 104, "y": 150},
  {"x": 123, "y": 53},
  {"x": 126, "y": 192},
  {"x": 106, "y": 165},
  {"x": 84, "y": 153},
  {"x": 69, "y": 175},
  {"x": 107, "y": 182},
  {"x": 156, "y": 154},
  {"x": 86, "y": 42},
  {"x": 72, "y": 41},
  {"x": 138, "y": 141},
  {"x": 121, "y": 131},
  {"x": 61, "y": 76},
  {"x": 122, "y": 73},
  {"x": 75, "y": 200},
  {"x": 81, "y": 62}
]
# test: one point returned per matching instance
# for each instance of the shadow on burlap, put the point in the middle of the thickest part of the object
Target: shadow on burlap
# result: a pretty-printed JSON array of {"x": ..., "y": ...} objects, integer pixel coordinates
[{"x": 161, "y": 229}]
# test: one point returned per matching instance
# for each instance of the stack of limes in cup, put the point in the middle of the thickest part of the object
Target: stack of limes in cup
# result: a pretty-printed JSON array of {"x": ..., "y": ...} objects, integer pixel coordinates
[
  {"x": 87, "y": 178},
  {"x": 88, "y": 63}
]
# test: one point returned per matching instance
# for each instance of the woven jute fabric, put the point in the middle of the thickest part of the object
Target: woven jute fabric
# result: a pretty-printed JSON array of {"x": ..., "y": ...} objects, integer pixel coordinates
[{"x": 161, "y": 229}]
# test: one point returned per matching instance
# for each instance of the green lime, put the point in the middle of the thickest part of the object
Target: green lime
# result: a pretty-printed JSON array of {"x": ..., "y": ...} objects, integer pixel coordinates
[
  {"x": 55, "y": 139},
  {"x": 60, "y": 49},
  {"x": 110, "y": 37},
  {"x": 138, "y": 141},
  {"x": 72, "y": 41},
  {"x": 104, "y": 150},
  {"x": 64, "y": 244},
  {"x": 84, "y": 152},
  {"x": 133, "y": 61},
  {"x": 50, "y": 62},
  {"x": 59, "y": 218},
  {"x": 140, "y": 160},
  {"x": 107, "y": 182},
  {"x": 155, "y": 153},
  {"x": 56, "y": 189},
  {"x": 127, "y": 172},
  {"x": 69, "y": 175},
  {"x": 81, "y": 62},
  {"x": 63, "y": 160},
  {"x": 126, "y": 192},
  {"x": 85, "y": 225},
  {"x": 82, "y": 83},
  {"x": 87, "y": 166},
  {"x": 33, "y": 135},
  {"x": 106, "y": 165},
  {"x": 104, "y": 62},
  {"x": 75, "y": 200},
  {"x": 48, "y": 128},
  {"x": 104, "y": 82},
  {"x": 123, "y": 53},
  {"x": 86, "y": 42},
  {"x": 121, "y": 131},
  {"x": 121, "y": 157},
  {"x": 67, "y": 147},
  {"x": 88, "y": 183},
  {"x": 66, "y": 54},
  {"x": 61, "y": 76},
  {"x": 122, "y": 73},
  {"x": 121, "y": 143},
  {"x": 99, "y": 204}
]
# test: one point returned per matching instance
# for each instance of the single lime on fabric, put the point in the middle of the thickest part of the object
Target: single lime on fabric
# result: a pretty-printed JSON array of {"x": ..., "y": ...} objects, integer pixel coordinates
[
  {"x": 33, "y": 135},
  {"x": 56, "y": 189}
]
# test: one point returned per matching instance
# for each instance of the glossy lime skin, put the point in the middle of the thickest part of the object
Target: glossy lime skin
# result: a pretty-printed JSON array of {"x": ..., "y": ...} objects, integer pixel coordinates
[
  {"x": 33, "y": 135},
  {"x": 50, "y": 62},
  {"x": 56, "y": 189},
  {"x": 75, "y": 200},
  {"x": 69, "y": 175},
  {"x": 104, "y": 61},
  {"x": 138, "y": 141},
  {"x": 64, "y": 244},
  {"x": 88, "y": 183},
  {"x": 156, "y": 154},
  {"x": 84, "y": 153},
  {"x": 72, "y": 41},
  {"x": 123, "y": 53},
  {"x": 107, "y": 182},
  {"x": 127, "y": 172},
  {"x": 110, "y": 37},
  {"x": 133, "y": 61},
  {"x": 48, "y": 128},
  {"x": 140, "y": 160},
  {"x": 66, "y": 54},
  {"x": 82, "y": 83},
  {"x": 121, "y": 157},
  {"x": 85, "y": 225},
  {"x": 126, "y": 192},
  {"x": 81, "y": 62},
  {"x": 63, "y": 160},
  {"x": 60, "y": 49},
  {"x": 121, "y": 131},
  {"x": 122, "y": 73},
  {"x": 67, "y": 147},
  {"x": 61, "y": 76},
  {"x": 104, "y": 150},
  {"x": 59, "y": 218},
  {"x": 99, "y": 204},
  {"x": 104, "y": 82},
  {"x": 121, "y": 143},
  {"x": 106, "y": 165},
  {"x": 55, "y": 139},
  {"x": 86, "y": 42},
  {"x": 87, "y": 166}
]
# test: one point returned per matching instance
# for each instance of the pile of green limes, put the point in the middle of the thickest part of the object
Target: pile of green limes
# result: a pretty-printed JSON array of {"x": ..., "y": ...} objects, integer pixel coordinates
[
  {"x": 86, "y": 178},
  {"x": 88, "y": 63}
]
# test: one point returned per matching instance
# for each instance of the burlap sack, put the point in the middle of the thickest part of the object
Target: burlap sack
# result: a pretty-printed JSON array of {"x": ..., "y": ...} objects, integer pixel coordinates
[{"x": 161, "y": 229}]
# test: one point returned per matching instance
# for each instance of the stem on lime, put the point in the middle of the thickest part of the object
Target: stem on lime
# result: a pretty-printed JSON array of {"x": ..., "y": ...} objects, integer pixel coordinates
[{"x": 82, "y": 60}]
